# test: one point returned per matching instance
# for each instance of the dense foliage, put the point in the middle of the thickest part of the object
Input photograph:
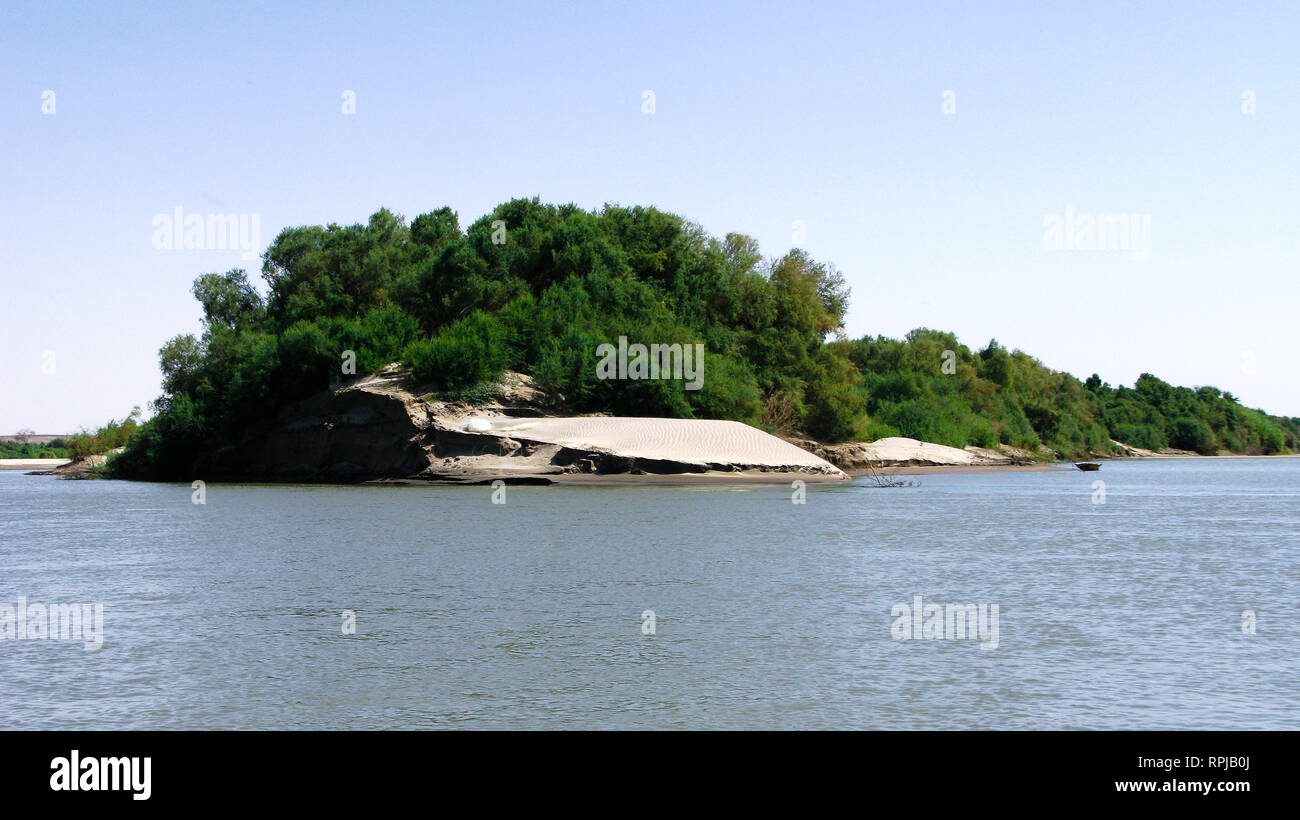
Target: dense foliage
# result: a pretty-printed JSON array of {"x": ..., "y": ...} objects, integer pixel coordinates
[
  {"x": 55, "y": 448},
  {"x": 995, "y": 396},
  {"x": 538, "y": 288},
  {"x": 116, "y": 433}
]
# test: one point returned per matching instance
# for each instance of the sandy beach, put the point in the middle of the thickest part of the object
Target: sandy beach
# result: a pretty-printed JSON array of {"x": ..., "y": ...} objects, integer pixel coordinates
[
  {"x": 702, "y": 442},
  {"x": 594, "y": 449},
  {"x": 899, "y": 450},
  {"x": 32, "y": 463}
]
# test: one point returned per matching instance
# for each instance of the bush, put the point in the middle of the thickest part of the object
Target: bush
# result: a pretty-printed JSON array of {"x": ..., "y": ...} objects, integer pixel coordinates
[
  {"x": 112, "y": 435},
  {"x": 1193, "y": 434},
  {"x": 1146, "y": 436},
  {"x": 982, "y": 434},
  {"x": 837, "y": 405},
  {"x": 306, "y": 358},
  {"x": 465, "y": 353},
  {"x": 381, "y": 336},
  {"x": 163, "y": 449},
  {"x": 728, "y": 391},
  {"x": 877, "y": 430},
  {"x": 480, "y": 393}
]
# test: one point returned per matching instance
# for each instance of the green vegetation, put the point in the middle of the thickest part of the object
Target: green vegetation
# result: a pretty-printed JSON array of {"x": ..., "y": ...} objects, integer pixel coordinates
[
  {"x": 996, "y": 396},
  {"x": 55, "y": 448},
  {"x": 538, "y": 288},
  {"x": 467, "y": 352},
  {"x": 116, "y": 433}
]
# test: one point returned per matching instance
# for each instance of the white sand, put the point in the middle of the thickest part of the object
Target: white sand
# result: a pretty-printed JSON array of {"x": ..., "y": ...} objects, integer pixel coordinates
[
  {"x": 693, "y": 441},
  {"x": 898, "y": 449},
  {"x": 32, "y": 463}
]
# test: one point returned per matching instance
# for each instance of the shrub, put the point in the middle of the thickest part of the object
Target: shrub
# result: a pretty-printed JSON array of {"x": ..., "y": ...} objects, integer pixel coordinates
[
  {"x": 783, "y": 411},
  {"x": 728, "y": 391},
  {"x": 306, "y": 359},
  {"x": 982, "y": 434},
  {"x": 381, "y": 336},
  {"x": 463, "y": 354},
  {"x": 1192, "y": 434},
  {"x": 480, "y": 393},
  {"x": 876, "y": 430}
]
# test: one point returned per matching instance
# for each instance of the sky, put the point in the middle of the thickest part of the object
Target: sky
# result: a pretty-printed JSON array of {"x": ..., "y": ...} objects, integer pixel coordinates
[{"x": 924, "y": 149}]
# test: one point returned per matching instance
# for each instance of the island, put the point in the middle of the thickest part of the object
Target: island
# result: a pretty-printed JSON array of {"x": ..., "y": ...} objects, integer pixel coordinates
[{"x": 550, "y": 343}]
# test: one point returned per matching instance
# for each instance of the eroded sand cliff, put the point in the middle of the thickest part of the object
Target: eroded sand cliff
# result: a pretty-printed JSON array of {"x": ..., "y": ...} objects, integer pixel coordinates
[{"x": 377, "y": 429}]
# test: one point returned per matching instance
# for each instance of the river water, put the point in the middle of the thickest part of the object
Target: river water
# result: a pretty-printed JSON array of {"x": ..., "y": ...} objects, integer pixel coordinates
[{"x": 1167, "y": 598}]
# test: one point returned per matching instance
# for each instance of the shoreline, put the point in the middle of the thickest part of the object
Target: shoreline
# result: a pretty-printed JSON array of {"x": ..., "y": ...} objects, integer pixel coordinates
[
  {"x": 1063, "y": 466},
  {"x": 32, "y": 463},
  {"x": 706, "y": 479},
  {"x": 1194, "y": 456},
  {"x": 472, "y": 478},
  {"x": 926, "y": 469}
]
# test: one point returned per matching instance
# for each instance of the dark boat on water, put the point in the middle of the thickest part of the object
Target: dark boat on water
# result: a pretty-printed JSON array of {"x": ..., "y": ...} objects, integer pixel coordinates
[{"x": 1087, "y": 466}]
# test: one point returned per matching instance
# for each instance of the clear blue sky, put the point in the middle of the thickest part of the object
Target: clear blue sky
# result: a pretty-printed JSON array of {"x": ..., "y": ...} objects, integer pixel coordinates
[{"x": 765, "y": 114}]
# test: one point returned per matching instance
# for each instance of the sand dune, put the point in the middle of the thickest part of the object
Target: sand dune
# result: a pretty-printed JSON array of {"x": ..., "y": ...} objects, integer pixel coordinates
[{"x": 692, "y": 441}]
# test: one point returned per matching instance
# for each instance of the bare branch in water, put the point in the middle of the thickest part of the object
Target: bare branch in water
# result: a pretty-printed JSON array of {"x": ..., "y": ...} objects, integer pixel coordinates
[{"x": 877, "y": 477}]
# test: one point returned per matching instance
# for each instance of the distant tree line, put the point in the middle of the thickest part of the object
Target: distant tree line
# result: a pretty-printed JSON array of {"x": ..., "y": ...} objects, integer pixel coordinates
[
  {"x": 105, "y": 438},
  {"x": 538, "y": 288},
  {"x": 55, "y": 448},
  {"x": 116, "y": 433},
  {"x": 997, "y": 396}
]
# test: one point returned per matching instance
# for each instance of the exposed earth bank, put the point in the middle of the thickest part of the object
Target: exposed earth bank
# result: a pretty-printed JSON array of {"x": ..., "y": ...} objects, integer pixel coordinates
[{"x": 377, "y": 429}]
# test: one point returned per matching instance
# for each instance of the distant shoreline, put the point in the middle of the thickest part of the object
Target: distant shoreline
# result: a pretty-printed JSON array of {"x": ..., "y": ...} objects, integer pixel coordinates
[
  {"x": 32, "y": 463},
  {"x": 1064, "y": 466}
]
